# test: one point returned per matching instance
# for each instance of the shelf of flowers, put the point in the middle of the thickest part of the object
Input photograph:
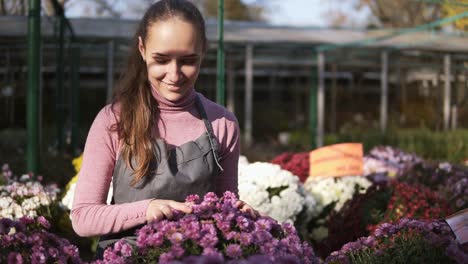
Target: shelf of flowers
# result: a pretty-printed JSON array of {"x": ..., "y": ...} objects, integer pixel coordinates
[{"x": 394, "y": 213}]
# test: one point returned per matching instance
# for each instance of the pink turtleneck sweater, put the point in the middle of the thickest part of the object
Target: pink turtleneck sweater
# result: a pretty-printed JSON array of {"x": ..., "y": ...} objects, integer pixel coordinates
[{"x": 178, "y": 123}]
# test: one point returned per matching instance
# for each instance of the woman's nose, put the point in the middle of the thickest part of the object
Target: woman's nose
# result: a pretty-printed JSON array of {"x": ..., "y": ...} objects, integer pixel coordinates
[{"x": 173, "y": 72}]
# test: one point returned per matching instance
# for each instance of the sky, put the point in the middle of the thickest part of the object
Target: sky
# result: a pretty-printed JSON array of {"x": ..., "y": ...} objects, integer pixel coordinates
[
  {"x": 285, "y": 12},
  {"x": 311, "y": 12}
]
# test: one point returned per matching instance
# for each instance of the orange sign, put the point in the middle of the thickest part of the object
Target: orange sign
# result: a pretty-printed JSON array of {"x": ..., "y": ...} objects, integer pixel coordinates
[{"x": 337, "y": 160}]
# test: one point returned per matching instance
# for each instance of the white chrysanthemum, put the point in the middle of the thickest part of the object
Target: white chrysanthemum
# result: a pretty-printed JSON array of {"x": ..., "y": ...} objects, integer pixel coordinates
[
  {"x": 30, "y": 205},
  {"x": 5, "y": 202},
  {"x": 339, "y": 190},
  {"x": 243, "y": 161},
  {"x": 6, "y": 207},
  {"x": 273, "y": 191},
  {"x": 67, "y": 200},
  {"x": 328, "y": 190},
  {"x": 16, "y": 211},
  {"x": 18, "y": 199},
  {"x": 25, "y": 177},
  {"x": 372, "y": 165}
]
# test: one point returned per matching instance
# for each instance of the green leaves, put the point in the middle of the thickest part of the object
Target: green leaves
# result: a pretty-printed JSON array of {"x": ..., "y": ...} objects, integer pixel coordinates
[{"x": 275, "y": 191}]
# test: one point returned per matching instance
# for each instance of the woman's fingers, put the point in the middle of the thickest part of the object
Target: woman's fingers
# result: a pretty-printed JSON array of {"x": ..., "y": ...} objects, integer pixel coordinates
[
  {"x": 166, "y": 210},
  {"x": 154, "y": 215},
  {"x": 239, "y": 204},
  {"x": 253, "y": 213},
  {"x": 160, "y": 209},
  {"x": 247, "y": 209},
  {"x": 184, "y": 207}
]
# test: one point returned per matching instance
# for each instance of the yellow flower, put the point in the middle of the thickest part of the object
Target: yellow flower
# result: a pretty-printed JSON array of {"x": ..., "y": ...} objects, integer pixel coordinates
[{"x": 77, "y": 164}]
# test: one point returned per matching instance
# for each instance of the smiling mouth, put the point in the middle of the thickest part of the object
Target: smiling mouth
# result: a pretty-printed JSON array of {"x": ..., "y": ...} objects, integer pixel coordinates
[{"x": 173, "y": 84}]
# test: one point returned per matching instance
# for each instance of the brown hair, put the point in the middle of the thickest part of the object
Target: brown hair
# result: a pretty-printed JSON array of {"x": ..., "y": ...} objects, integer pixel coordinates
[{"x": 138, "y": 112}]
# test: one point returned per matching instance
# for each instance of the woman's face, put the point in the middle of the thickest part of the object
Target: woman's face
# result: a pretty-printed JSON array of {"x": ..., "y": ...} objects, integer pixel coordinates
[{"x": 173, "y": 53}]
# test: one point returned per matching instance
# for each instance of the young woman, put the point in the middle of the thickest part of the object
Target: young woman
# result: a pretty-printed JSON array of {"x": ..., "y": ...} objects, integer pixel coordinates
[{"x": 159, "y": 140}]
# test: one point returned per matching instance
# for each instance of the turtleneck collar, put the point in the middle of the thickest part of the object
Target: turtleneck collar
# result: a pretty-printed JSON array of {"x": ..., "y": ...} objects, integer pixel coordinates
[{"x": 165, "y": 105}]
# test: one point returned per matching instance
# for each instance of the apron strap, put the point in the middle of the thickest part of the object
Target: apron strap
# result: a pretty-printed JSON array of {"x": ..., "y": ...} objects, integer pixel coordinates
[{"x": 209, "y": 129}]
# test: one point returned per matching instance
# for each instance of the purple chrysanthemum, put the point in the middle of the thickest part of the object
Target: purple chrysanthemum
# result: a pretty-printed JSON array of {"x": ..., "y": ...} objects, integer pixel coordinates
[
  {"x": 435, "y": 234},
  {"x": 216, "y": 229},
  {"x": 26, "y": 241},
  {"x": 233, "y": 251},
  {"x": 43, "y": 222}
]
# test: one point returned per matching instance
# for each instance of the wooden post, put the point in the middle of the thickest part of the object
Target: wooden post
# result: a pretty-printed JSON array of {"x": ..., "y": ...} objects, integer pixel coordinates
[
  {"x": 231, "y": 82},
  {"x": 220, "y": 56},
  {"x": 75, "y": 98},
  {"x": 384, "y": 93},
  {"x": 60, "y": 71},
  {"x": 248, "y": 94},
  {"x": 454, "y": 117},
  {"x": 320, "y": 99},
  {"x": 333, "y": 98},
  {"x": 447, "y": 91},
  {"x": 110, "y": 70}
]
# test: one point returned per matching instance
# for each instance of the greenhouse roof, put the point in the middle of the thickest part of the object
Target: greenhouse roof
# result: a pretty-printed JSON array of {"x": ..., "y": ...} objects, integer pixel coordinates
[{"x": 255, "y": 33}]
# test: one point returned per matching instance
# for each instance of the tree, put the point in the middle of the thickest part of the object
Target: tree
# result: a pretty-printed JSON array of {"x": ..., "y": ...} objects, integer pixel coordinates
[
  {"x": 402, "y": 13},
  {"x": 389, "y": 14},
  {"x": 452, "y": 8},
  {"x": 13, "y": 7},
  {"x": 103, "y": 8},
  {"x": 20, "y": 7},
  {"x": 49, "y": 8},
  {"x": 233, "y": 10},
  {"x": 338, "y": 18}
]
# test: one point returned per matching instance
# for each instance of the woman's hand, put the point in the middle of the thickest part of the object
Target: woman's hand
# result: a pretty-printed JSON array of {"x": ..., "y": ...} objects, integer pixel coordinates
[
  {"x": 160, "y": 209},
  {"x": 244, "y": 207}
]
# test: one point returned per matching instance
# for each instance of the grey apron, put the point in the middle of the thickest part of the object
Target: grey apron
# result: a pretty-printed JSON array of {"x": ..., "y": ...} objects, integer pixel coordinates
[{"x": 187, "y": 169}]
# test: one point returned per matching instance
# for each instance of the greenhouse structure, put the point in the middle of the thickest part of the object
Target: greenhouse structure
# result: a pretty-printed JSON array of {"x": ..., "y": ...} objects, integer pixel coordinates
[{"x": 271, "y": 72}]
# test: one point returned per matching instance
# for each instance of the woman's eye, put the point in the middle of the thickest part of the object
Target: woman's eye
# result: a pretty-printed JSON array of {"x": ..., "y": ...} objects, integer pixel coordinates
[
  {"x": 161, "y": 61},
  {"x": 189, "y": 61},
  {"x": 186, "y": 61}
]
